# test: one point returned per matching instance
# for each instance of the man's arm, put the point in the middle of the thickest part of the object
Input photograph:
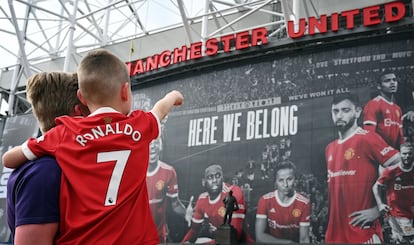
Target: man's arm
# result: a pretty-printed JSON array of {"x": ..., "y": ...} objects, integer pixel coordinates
[
  {"x": 14, "y": 158},
  {"x": 164, "y": 105},
  {"x": 263, "y": 237},
  {"x": 39, "y": 234},
  {"x": 379, "y": 194}
]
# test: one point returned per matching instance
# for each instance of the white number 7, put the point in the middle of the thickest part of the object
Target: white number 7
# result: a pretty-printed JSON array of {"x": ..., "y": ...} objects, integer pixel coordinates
[{"x": 120, "y": 158}]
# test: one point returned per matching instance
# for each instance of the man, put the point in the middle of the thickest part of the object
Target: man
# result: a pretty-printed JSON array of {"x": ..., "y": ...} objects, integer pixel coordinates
[
  {"x": 396, "y": 183},
  {"x": 209, "y": 210},
  {"x": 33, "y": 189},
  {"x": 103, "y": 157},
  {"x": 162, "y": 185},
  {"x": 382, "y": 115},
  {"x": 352, "y": 164},
  {"x": 283, "y": 215}
]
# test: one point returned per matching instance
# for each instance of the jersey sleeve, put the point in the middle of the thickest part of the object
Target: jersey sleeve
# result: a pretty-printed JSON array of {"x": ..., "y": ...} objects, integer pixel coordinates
[
  {"x": 261, "y": 209},
  {"x": 41, "y": 183},
  {"x": 370, "y": 113},
  {"x": 385, "y": 177},
  {"x": 198, "y": 215},
  {"x": 379, "y": 150},
  {"x": 156, "y": 125},
  {"x": 305, "y": 218},
  {"x": 46, "y": 144}
]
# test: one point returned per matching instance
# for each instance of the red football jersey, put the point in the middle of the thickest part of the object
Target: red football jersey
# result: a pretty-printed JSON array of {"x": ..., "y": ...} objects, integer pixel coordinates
[
  {"x": 386, "y": 116},
  {"x": 214, "y": 210},
  {"x": 161, "y": 182},
  {"x": 400, "y": 190},
  {"x": 104, "y": 161},
  {"x": 284, "y": 219},
  {"x": 352, "y": 165}
]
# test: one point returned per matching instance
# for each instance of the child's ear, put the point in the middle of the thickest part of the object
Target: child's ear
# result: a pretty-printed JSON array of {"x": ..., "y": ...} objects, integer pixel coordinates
[
  {"x": 80, "y": 97},
  {"x": 125, "y": 91}
]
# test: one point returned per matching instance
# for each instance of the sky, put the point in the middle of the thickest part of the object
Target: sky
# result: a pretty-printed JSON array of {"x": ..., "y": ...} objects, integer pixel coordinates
[{"x": 51, "y": 32}]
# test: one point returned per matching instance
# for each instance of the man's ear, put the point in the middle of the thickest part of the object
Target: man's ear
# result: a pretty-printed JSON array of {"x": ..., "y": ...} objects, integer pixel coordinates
[
  {"x": 76, "y": 111},
  {"x": 80, "y": 110},
  {"x": 379, "y": 87},
  {"x": 203, "y": 182}
]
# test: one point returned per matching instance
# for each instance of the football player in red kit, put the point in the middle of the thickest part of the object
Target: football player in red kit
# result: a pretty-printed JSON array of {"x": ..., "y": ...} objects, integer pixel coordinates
[
  {"x": 209, "y": 206},
  {"x": 352, "y": 164},
  {"x": 383, "y": 115},
  {"x": 396, "y": 183},
  {"x": 162, "y": 190},
  {"x": 283, "y": 215}
]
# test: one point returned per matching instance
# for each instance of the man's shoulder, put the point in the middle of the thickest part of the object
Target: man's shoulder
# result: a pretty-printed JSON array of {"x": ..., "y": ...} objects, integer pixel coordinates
[
  {"x": 374, "y": 103},
  {"x": 302, "y": 198},
  {"x": 44, "y": 165},
  {"x": 203, "y": 196},
  {"x": 41, "y": 173},
  {"x": 270, "y": 195}
]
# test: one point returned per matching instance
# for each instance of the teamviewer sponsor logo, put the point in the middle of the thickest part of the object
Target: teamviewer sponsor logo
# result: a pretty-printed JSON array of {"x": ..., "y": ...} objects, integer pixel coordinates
[{"x": 340, "y": 173}]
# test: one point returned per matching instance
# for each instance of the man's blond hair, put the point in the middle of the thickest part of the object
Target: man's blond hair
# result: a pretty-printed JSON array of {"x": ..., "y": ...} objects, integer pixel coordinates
[{"x": 52, "y": 94}]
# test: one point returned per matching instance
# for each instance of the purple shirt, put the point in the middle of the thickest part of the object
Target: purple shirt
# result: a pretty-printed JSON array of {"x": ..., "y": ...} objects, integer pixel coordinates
[{"x": 33, "y": 193}]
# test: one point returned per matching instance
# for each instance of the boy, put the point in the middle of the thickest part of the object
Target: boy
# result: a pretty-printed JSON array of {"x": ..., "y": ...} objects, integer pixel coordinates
[{"x": 104, "y": 157}]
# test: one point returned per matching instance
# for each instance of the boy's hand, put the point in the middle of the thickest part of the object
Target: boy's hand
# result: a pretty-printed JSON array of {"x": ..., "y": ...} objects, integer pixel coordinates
[
  {"x": 163, "y": 106},
  {"x": 179, "y": 98}
]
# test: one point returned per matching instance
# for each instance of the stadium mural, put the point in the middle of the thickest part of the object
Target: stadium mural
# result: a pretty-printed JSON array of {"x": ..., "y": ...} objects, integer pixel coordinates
[
  {"x": 308, "y": 141},
  {"x": 15, "y": 131},
  {"x": 299, "y": 138}
]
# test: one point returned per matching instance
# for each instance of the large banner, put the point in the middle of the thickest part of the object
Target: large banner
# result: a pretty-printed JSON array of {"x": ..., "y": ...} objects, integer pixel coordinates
[
  {"x": 16, "y": 130},
  {"x": 249, "y": 118}
]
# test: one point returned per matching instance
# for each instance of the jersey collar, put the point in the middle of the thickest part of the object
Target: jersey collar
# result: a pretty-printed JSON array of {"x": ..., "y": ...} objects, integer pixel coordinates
[{"x": 103, "y": 110}]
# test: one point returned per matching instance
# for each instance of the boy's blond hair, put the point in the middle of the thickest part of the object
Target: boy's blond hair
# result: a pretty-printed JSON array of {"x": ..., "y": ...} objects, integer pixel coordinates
[
  {"x": 52, "y": 94},
  {"x": 101, "y": 74}
]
